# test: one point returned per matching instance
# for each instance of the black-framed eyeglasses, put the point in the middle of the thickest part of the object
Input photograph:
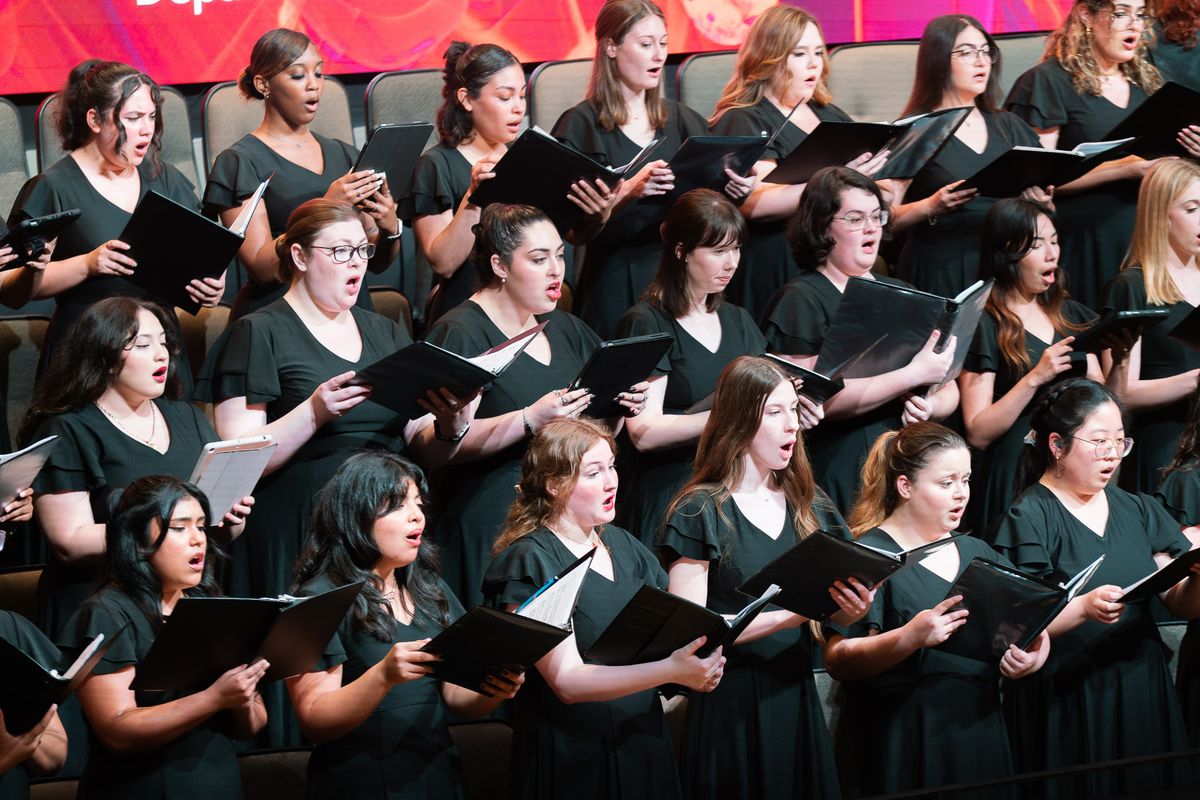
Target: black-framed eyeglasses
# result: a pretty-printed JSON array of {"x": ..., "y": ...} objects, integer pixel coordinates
[
  {"x": 970, "y": 54},
  {"x": 342, "y": 253},
  {"x": 1107, "y": 448},
  {"x": 855, "y": 221}
]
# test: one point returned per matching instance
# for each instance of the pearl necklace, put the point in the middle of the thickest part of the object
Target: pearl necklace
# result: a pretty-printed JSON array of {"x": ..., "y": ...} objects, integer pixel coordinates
[{"x": 126, "y": 431}]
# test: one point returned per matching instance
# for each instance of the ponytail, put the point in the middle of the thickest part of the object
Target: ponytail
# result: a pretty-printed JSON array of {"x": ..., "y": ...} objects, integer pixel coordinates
[{"x": 876, "y": 495}]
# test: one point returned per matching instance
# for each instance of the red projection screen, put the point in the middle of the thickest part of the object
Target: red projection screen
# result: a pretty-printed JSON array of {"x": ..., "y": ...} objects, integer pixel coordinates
[{"x": 205, "y": 41}]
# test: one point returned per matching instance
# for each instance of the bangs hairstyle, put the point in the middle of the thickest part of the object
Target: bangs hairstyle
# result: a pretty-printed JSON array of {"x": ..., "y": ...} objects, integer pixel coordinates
[
  {"x": 933, "y": 80},
  {"x": 499, "y": 232},
  {"x": 341, "y": 543},
  {"x": 613, "y": 22},
  {"x": 907, "y": 452},
  {"x": 699, "y": 218},
  {"x": 1180, "y": 20},
  {"x": 130, "y": 541},
  {"x": 1187, "y": 454},
  {"x": 763, "y": 58},
  {"x": 274, "y": 52},
  {"x": 304, "y": 225},
  {"x": 808, "y": 233},
  {"x": 1009, "y": 232},
  {"x": 549, "y": 472},
  {"x": 90, "y": 357},
  {"x": 105, "y": 86},
  {"x": 466, "y": 67},
  {"x": 1062, "y": 409},
  {"x": 1150, "y": 246},
  {"x": 1071, "y": 44}
]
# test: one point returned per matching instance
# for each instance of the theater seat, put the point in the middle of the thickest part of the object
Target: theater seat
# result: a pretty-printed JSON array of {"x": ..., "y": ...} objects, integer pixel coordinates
[
  {"x": 1018, "y": 53},
  {"x": 399, "y": 97},
  {"x": 54, "y": 789},
  {"x": 554, "y": 87},
  {"x": 274, "y": 774},
  {"x": 19, "y": 592},
  {"x": 701, "y": 77},
  {"x": 13, "y": 168},
  {"x": 871, "y": 82},
  {"x": 21, "y": 340},
  {"x": 393, "y": 305}
]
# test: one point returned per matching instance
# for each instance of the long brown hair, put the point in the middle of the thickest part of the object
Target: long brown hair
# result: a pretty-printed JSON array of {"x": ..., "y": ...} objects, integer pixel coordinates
[
  {"x": 895, "y": 453},
  {"x": 1071, "y": 44},
  {"x": 699, "y": 218},
  {"x": 763, "y": 57},
  {"x": 933, "y": 65},
  {"x": 105, "y": 87},
  {"x": 549, "y": 472},
  {"x": 613, "y": 22}
]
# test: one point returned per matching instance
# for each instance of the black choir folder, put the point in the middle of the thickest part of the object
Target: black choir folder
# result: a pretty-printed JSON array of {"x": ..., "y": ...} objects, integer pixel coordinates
[
  {"x": 1162, "y": 579},
  {"x": 1186, "y": 329},
  {"x": 1113, "y": 323},
  {"x": 654, "y": 624},
  {"x": 701, "y": 161},
  {"x": 1007, "y": 607},
  {"x": 29, "y": 236},
  {"x": 1020, "y": 167},
  {"x": 174, "y": 245},
  {"x": 28, "y": 689},
  {"x": 616, "y": 365},
  {"x": 1156, "y": 122},
  {"x": 807, "y": 570},
  {"x": 205, "y": 636},
  {"x": 907, "y": 316},
  {"x": 398, "y": 380},
  {"x": 485, "y": 640},
  {"x": 392, "y": 151},
  {"x": 927, "y": 134}
]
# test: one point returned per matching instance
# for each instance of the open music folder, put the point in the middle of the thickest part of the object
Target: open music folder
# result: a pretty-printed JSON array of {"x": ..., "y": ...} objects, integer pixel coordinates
[{"x": 28, "y": 689}]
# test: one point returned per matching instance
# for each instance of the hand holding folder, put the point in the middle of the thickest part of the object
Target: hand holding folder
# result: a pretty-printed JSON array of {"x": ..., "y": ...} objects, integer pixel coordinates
[
  {"x": 28, "y": 689},
  {"x": 615, "y": 366}
]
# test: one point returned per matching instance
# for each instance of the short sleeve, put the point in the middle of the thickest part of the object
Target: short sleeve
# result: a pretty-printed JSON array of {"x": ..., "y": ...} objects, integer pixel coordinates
[
  {"x": 739, "y": 122},
  {"x": 454, "y": 332},
  {"x": 431, "y": 191},
  {"x": 100, "y": 615},
  {"x": 1017, "y": 131},
  {"x": 1037, "y": 98},
  {"x": 516, "y": 573},
  {"x": 232, "y": 179},
  {"x": 578, "y": 127},
  {"x": 243, "y": 365},
  {"x": 983, "y": 355},
  {"x": 25, "y": 636},
  {"x": 690, "y": 531},
  {"x": 1179, "y": 494},
  {"x": 642, "y": 320},
  {"x": 1161, "y": 530},
  {"x": 794, "y": 323},
  {"x": 1077, "y": 313},
  {"x": 37, "y": 198},
  {"x": 1020, "y": 536},
  {"x": 690, "y": 122},
  {"x": 1125, "y": 292},
  {"x": 74, "y": 464}
]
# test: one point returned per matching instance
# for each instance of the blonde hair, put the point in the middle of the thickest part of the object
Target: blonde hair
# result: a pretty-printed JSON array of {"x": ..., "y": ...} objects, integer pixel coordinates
[
  {"x": 613, "y": 22},
  {"x": 763, "y": 58},
  {"x": 1071, "y": 44},
  {"x": 1150, "y": 246}
]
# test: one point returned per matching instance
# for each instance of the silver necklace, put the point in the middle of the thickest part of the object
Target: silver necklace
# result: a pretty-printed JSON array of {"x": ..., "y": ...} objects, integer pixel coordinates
[{"x": 126, "y": 431}]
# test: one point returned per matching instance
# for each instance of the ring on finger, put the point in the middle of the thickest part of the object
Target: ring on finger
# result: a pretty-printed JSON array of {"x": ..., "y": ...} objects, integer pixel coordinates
[{"x": 563, "y": 400}]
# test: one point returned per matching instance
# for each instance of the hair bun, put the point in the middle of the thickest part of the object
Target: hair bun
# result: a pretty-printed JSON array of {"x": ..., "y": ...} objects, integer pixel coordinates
[
  {"x": 453, "y": 53},
  {"x": 245, "y": 85}
]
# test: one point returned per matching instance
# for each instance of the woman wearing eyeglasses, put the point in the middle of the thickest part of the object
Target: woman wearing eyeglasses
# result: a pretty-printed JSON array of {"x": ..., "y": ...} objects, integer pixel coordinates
[
  {"x": 1105, "y": 691},
  {"x": 958, "y": 64},
  {"x": 1094, "y": 73}
]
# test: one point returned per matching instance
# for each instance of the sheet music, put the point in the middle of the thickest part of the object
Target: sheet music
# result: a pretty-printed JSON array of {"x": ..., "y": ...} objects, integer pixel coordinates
[
  {"x": 228, "y": 471},
  {"x": 555, "y": 603},
  {"x": 1079, "y": 581},
  {"x": 243, "y": 219},
  {"x": 498, "y": 358},
  {"x": 17, "y": 470},
  {"x": 87, "y": 653}
]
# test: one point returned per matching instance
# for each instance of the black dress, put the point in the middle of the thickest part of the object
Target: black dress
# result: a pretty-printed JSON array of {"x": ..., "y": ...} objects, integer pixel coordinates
[
  {"x": 795, "y": 323},
  {"x": 198, "y": 765},
  {"x": 1175, "y": 61},
  {"x": 943, "y": 258},
  {"x": 24, "y": 635},
  {"x": 761, "y": 733},
  {"x": 692, "y": 371},
  {"x": 235, "y": 176},
  {"x": 1105, "y": 691},
  {"x": 441, "y": 178},
  {"x": 1156, "y": 430},
  {"x": 1094, "y": 227},
  {"x": 403, "y": 749},
  {"x": 993, "y": 483},
  {"x": 621, "y": 261},
  {"x": 64, "y": 186},
  {"x": 614, "y": 749},
  {"x": 1179, "y": 493},
  {"x": 472, "y": 498},
  {"x": 767, "y": 262},
  {"x": 933, "y": 719}
]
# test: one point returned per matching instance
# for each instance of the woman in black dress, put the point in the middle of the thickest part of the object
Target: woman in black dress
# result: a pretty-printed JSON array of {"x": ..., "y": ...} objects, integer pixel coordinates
[
  {"x": 379, "y": 721},
  {"x": 920, "y": 718},
  {"x": 581, "y": 729},
  {"x": 835, "y": 235},
  {"x": 158, "y": 745},
  {"x": 624, "y": 111},
  {"x": 1094, "y": 74},
  {"x": 42, "y": 749},
  {"x": 782, "y": 63},
  {"x": 958, "y": 64},
  {"x": 519, "y": 269},
  {"x": 287, "y": 74},
  {"x": 1105, "y": 691},
  {"x": 1162, "y": 270},
  {"x": 761, "y": 733},
  {"x": 1173, "y": 49},
  {"x": 110, "y": 122},
  {"x": 1022, "y": 344}
]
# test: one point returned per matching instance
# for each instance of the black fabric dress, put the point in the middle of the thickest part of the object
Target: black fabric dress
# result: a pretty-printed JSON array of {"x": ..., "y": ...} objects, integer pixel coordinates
[
  {"x": 472, "y": 498},
  {"x": 64, "y": 186},
  {"x": 621, "y": 261},
  {"x": 1094, "y": 227},
  {"x": 1179, "y": 493},
  {"x": 994, "y": 474},
  {"x": 618, "y": 749},
  {"x": 24, "y": 635},
  {"x": 198, "y": 765},
  {"x": 1105, "y": 691},
  {"x": 795, "y": 323},
  {"x": 761, "y": 733},
  {"x": 1175, "y": 61},
  {"x": 235, "y": 176},
  {"x": 403, "y": 749},
  {"x": 1155, "y": 430},
  {"x": 767, "y": 262},
  {"x": 692, "y": 371},
  {"x": 441, "y": 178},
  {"x": 933, "y": 719},
  {"x": 943, "y": 258}
]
